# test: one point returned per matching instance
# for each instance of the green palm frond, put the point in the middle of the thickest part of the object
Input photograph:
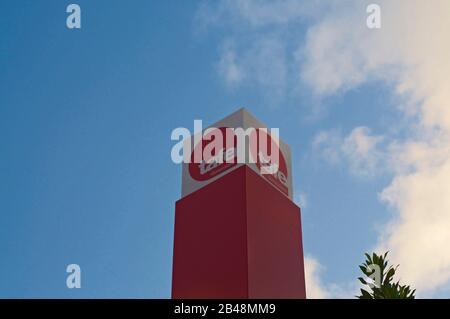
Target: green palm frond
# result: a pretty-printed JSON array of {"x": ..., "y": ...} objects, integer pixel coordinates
[{"x": 384, "y": 287}]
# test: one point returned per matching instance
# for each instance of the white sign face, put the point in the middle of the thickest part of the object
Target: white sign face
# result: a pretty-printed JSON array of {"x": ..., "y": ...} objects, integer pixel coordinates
[{"x": 198, "y": 174}]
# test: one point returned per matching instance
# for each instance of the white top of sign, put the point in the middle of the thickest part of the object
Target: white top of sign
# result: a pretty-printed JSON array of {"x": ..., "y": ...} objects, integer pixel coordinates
[{"x": 198, "y": 175}]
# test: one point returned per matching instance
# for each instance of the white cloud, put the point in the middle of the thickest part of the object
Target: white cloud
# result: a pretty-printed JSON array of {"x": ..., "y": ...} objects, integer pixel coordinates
[
  {"x": 255, "y": 14},
  {"x": 359, "y": 150},
  {"x": 419, "y": 236},
  {"x": 249, "y": 58},
  {"x": 315, "y": 289},
  {"x": 231, "y": 72},
  {"x": 411, "y": 54},
  {"x": 328, "y": 145},
  {"x": 301, "y": 199},
  {"x": 262, "y": 63}
]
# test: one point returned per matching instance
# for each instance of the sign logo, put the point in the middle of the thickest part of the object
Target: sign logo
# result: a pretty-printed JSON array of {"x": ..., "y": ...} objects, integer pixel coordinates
[
  {"x": 218, "y": 160},
  {"x": 275, "y": 173},
  {"x": 219, "y": 156}
]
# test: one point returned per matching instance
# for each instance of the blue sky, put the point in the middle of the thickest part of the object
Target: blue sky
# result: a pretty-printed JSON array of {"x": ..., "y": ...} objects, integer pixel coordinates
[{"x": 85, "y": 123}]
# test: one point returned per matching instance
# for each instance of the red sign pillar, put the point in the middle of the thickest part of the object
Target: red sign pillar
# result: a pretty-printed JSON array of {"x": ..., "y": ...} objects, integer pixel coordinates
[{"x": 238, "y": 237}]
